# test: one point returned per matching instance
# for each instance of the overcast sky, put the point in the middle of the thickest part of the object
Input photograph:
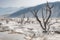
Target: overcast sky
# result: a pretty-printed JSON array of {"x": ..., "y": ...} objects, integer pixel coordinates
[{"x": 22, "y": 3}]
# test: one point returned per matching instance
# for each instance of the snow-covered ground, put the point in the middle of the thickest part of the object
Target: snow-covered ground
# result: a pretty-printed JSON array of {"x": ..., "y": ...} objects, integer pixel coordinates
[{"x": 16, "y": 29}]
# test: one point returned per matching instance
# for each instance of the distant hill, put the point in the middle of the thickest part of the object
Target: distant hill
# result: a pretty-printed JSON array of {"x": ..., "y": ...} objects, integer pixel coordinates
[
  {"x": 8, "y": 10},
  {"x": 26, "y": 11}
]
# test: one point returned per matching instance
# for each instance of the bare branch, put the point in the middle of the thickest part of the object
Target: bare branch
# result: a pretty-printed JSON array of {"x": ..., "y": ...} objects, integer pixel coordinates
[
  {"x": 48, "y": 17},
  {"x": 43, "y": 16},
  {"x": 50, "y": 11},
  {"x": 34, "y": 12}
]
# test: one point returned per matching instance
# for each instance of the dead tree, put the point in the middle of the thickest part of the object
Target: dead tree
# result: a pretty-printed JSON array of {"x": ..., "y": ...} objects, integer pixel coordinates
[
  {"x": 27, "y": 20},
  {"x": 44, "y": 18},
  {"x": 22, "y": 19}
]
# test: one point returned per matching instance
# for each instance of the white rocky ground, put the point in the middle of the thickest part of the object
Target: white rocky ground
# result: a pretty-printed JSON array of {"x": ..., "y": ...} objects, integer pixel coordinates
[{"x": 12, "y": 29}]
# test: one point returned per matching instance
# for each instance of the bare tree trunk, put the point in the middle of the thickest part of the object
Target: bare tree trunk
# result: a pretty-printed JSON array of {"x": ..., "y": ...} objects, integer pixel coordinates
[{"x": 44, "y": 18}]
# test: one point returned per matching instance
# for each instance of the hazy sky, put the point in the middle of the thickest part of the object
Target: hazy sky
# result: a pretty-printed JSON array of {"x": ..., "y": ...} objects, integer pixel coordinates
[{"x": 22, "y": 3}]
